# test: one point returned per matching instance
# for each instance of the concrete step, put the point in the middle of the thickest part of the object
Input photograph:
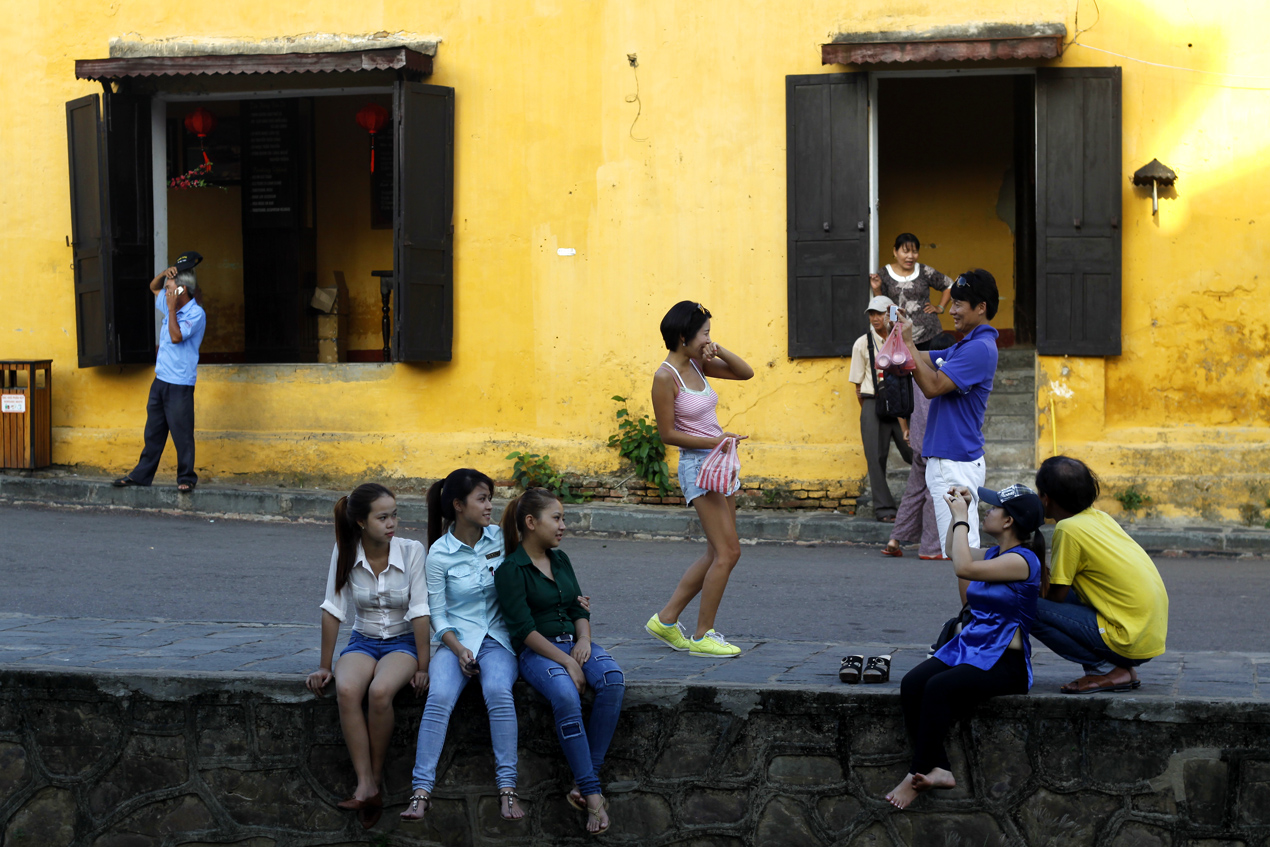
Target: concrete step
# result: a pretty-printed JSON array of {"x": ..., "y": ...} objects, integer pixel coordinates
[
  {"x": 1009, "y": 427},
  {"x": 1011, "y": 404},
  {"x": 1016, "y": 357}
]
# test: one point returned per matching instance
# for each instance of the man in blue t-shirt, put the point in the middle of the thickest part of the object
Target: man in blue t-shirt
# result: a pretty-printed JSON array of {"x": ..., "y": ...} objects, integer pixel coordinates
[
  {"x": 958, "y": 381},
  {"x": 170, "y": 409}
]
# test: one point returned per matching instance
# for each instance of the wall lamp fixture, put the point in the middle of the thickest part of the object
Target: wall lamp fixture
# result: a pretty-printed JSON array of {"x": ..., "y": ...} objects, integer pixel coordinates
[{"x": 1155, "y": 173}]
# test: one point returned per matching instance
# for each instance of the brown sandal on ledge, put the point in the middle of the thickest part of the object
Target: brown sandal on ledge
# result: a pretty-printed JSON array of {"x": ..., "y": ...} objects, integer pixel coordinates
[{"x": 1094, "y": 684}]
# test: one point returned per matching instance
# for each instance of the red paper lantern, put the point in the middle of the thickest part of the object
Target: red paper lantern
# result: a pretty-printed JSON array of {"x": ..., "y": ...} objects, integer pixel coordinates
[
  {"x": 372, "y": 117},
  {"x": 201, "y": 123}
]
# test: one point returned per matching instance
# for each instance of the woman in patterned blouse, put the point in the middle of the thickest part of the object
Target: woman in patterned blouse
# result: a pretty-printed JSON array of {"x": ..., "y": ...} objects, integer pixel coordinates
[{"x": 908, "y": 283}]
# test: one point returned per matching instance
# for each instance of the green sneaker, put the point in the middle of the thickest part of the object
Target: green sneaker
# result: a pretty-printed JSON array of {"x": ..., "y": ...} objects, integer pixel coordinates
[
  {"x": 672, "y": 635},
  {"x": 712, "y": 646}
]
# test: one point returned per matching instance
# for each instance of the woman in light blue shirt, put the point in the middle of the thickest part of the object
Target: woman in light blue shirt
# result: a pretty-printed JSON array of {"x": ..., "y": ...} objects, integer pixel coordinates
[{"x": 468, "y": 621}]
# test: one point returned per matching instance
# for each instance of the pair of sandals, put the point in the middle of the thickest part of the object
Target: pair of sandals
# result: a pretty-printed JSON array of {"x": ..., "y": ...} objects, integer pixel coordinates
[
  {"x": 854, "y": 669},
  {"x": 126, "y": 482},
  {"x": 579, "y": 802},
  {"x": 421, "y": 804}
]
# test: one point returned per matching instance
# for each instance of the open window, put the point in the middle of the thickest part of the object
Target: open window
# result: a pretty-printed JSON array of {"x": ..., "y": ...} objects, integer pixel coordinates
[
  {"x": 868, "y": 159},
  {"x": 289, "y": 203}
]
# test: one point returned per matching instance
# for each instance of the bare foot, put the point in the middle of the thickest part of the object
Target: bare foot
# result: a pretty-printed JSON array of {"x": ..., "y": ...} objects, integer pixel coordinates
[
  {"x": 419, "y": 805},
  {"x": 937, "y": 778},
  {"x": 597, "y": 819},
  {"x": 903, "y": 794},
  {"x": 508, "y": 807}
]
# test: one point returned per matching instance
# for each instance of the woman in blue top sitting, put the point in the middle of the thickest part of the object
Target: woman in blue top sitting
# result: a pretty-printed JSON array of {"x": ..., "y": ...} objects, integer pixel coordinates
[
  {"x": 991, "y": 655},
  {"x": 464, "y": 550}
]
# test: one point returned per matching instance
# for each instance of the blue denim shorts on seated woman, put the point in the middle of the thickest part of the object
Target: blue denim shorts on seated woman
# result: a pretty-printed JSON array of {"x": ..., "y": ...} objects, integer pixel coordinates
[
  {"x": 690, "y": 462},
  {"x": 377, "y": 648}
]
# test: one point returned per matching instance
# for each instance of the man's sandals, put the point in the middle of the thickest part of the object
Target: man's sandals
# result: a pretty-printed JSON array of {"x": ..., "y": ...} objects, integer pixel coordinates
[{"x": 1103, "y": 682}]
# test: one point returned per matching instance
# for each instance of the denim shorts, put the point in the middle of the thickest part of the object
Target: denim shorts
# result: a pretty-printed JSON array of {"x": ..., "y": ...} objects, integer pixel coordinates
[
  {"x": 377, "y": 648},
  {"x": 690, "y": 462}
]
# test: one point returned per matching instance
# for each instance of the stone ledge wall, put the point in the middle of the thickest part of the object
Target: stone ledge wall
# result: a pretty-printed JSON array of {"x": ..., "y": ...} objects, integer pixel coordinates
[
  {"x": 136, "y": 760},
  {"x": 754, "y": 494}
]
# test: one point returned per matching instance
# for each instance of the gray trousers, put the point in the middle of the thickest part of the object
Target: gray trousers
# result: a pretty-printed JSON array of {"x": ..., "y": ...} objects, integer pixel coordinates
[{"x": 876, "y": 435}]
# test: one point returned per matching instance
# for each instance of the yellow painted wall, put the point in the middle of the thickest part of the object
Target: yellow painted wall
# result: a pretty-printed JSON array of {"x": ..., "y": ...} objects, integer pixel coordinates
[
  {"x": 677, "y": 194},
  {"x": 945, "y": 155}
]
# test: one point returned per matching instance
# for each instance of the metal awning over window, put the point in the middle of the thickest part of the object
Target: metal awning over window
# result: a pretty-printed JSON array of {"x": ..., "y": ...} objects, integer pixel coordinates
[
  {"x": 412, "y": 64},
  {"x": 967, "y": 43}
]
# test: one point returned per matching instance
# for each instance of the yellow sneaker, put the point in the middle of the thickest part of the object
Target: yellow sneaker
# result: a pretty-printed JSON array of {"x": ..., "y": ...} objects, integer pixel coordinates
[
  {"x": 672, "y": 635},
  {"x": 713, "y": 646}
]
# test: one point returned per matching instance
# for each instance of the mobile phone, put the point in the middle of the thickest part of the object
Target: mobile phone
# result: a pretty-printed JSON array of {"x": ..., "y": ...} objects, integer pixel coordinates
[
  {"x": 473, "y": 667},
  {"x": 895, "y": 313},
  {"x": 180, "y": 289}
]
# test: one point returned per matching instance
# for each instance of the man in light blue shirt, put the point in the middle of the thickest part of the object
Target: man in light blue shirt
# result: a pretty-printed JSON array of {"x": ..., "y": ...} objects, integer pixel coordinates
[{"x": 170, "y": 409}]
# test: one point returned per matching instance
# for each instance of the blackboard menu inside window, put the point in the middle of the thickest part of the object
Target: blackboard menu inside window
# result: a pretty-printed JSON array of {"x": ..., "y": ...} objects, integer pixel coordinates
[
  {"x": 381, "y": 181},
  {"x": 271, "y": 173}
]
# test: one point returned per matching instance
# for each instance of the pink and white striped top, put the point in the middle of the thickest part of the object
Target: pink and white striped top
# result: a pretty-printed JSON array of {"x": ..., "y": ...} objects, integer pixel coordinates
[{"x": 695, "y": 410}]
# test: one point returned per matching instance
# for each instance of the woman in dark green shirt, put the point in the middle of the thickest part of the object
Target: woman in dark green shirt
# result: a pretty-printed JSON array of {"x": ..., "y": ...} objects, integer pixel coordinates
[{"x": 551, "y": 633}]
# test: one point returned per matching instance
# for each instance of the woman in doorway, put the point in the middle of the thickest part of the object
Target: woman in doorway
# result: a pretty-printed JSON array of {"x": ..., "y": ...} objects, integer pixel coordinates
[
  {"x": 909, "y": 283},
  {"x": 464, "y": 551},
  {"x": 551, "y": 631},
  {"x": 383, "y": 576},
  {"x": 684, "y": 405},
  {"x": 992, "y": 655}
]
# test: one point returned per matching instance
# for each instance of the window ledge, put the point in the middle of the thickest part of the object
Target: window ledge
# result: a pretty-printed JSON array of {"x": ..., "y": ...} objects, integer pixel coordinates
[{"x": 968, "y": 43}]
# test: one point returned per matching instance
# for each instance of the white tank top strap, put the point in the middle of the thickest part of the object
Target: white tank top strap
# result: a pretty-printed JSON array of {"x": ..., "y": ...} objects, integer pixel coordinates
[
  {"x": 674, "y": 371},
  {"x": 699, "y": 373}
]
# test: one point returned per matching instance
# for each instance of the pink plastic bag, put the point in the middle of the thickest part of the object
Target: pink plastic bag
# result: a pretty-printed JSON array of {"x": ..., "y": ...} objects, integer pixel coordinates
[
  {"x": 894, "y": 356},
  {"x": 722, "y": 469}
]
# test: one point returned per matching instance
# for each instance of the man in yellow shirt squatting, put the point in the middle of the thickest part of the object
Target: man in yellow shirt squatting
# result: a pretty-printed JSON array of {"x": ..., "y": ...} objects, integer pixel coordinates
[{"x": 1106, "y": 606}]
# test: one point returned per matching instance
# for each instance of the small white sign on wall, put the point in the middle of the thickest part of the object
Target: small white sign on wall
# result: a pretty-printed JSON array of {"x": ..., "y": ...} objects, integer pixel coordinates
[{"x": 12, "y": 403}]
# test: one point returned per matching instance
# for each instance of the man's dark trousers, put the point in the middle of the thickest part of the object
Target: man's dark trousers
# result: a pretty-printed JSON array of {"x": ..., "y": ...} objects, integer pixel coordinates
[{"x": 169, "y": 411}]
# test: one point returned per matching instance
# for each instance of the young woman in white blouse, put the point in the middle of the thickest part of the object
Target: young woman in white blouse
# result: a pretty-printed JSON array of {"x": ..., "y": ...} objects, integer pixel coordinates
[
  {"x": 464, "y": 550},
  {"x": 384, "y": 577}
]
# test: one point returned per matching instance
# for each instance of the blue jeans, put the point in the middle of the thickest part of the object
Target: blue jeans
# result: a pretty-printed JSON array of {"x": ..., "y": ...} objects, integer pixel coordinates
[
  {"x": 445, "y": 683},
  {"x": 1070, "y": 629},
  {"x": 584, "y": 747}
]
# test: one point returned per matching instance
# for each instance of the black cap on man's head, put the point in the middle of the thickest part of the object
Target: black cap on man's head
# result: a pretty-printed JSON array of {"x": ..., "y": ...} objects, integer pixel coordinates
[
  {"x": 187, "y": 260},
  {"x": 975, "y": 287}
]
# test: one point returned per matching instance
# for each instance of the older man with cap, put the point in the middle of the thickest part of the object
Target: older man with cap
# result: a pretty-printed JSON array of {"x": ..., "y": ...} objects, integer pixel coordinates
[
  {"x": 958, "y": 381},
  {"x": 876, "y": 434},
  {"x": 170, "y": 409}
]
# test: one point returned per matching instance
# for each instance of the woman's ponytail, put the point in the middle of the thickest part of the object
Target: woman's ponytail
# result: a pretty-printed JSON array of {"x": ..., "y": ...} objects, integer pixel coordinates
[
  {"x": 435, "y": 527},
  {"x": 1037, "y": 545},
  {"x": 350, "y": 511},
  {"x": 511, "y": 533}
]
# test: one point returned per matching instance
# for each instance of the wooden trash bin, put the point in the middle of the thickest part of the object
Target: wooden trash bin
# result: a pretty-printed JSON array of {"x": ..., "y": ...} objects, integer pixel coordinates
[{"x": 26, "y": 427}]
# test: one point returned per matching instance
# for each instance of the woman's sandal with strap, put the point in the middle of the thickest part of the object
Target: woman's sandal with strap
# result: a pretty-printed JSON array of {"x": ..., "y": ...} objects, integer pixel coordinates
[
  {"x": 595, "y": 813},
  {"x": 505, "y": 800},
  {"x": 851, "y": 669},
  {"x": 412, "y": 813}
]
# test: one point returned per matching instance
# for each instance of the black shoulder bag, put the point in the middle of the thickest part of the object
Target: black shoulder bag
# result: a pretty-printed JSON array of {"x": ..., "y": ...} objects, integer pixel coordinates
[{"x": 893, "y": 395}]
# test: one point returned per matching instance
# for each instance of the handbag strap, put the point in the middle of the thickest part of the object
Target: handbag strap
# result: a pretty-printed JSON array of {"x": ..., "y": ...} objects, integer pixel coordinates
[{"x": 873, "y": 369}]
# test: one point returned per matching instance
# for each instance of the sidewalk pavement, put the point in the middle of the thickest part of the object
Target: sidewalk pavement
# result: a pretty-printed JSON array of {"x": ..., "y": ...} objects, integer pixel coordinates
[
  {"x": 597, "y": 519},
  {"x": 33, "y": 642}
]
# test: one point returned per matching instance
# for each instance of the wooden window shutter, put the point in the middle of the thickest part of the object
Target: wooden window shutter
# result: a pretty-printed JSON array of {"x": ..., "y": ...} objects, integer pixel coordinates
[
  {"x": 130, "y": 213},
  {"x": 827, "y": 206},
  {"x": 423, "y": 278},
  {"x": 90, "y": 256},
  {"x": 1078, "y": 209}
]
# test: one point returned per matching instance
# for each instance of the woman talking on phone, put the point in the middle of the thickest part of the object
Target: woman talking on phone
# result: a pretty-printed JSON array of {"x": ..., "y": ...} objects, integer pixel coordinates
[
  {"x": 684, "y": 405},
  {"x": 464, "y": 551}
]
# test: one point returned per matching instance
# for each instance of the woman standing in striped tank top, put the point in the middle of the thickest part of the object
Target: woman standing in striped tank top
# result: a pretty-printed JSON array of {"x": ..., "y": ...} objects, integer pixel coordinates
[{"x": 684, "y": 405}]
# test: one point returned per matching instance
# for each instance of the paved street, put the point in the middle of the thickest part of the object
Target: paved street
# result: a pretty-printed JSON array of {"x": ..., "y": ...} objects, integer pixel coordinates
[{"x": 145, "y": 591}]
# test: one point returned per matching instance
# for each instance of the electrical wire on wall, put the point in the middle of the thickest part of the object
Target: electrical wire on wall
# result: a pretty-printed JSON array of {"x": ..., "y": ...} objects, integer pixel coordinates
[{"x": 633, "y": 59}]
